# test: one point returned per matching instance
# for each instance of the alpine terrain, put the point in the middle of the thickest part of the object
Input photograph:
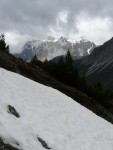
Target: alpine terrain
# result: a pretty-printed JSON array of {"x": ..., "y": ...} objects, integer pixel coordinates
[
  {"x": 56, "y": 75},
  {"x": 36, "y": 117},
  {"x": 98, "y": 66},
  {"x": 53, "y": 47}
]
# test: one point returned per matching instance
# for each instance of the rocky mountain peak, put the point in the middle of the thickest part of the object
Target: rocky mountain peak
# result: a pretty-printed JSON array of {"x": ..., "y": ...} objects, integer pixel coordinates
[
  {"x": 53, "y": 47},
  {"x": 50, "y": 38},
  {"x": 63, "y": 39}
]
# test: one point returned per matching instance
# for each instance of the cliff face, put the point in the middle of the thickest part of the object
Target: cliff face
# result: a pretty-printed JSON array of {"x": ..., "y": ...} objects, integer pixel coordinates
[{"x": 51, "y": 48}]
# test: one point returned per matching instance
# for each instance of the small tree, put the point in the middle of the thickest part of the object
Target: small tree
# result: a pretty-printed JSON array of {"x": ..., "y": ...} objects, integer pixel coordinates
[
  {"x": 3, "y": 46},
  {"x": 34, "y": 60},
  {"x": 61, "y": 63},
  {"x": 69, "y": 61}
]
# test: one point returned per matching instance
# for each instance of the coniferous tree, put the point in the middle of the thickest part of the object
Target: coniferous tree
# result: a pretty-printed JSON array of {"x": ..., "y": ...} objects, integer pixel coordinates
[
  {"x": 69, "y": 61},
  {"x": 46, "y": 61},
  {"x": 34, "y": 60},
  {"x": 83, "y": 82},
  {"x": 61, "y": 61},
  {"x": 61, "y": 64},
  {"x": 3, "y": 46}
]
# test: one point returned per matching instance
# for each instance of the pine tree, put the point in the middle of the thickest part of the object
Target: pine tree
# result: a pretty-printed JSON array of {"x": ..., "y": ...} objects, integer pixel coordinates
[
  {"x": 61, "y": 63},
  {"x": 3, "y": 46},
  {"x": 69, "y": 61},
  {"x": 34, "y": 60}
]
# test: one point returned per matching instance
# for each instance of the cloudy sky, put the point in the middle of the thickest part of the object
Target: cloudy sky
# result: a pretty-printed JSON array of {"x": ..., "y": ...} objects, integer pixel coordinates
[{"x": 23, "y": 20}]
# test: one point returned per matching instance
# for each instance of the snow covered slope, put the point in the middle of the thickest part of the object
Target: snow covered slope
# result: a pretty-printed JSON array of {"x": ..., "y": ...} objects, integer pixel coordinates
[
  {"x": 53, "y": 47},
  {"x": 48, "y": 118}
]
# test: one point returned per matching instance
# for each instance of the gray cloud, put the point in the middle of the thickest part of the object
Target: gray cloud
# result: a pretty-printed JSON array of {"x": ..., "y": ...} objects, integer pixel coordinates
[{"x": 22, "y": 20}]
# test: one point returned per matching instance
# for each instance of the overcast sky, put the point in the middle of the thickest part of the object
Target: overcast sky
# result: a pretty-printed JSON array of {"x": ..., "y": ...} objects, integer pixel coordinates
[{"x": 23, "y": 20}]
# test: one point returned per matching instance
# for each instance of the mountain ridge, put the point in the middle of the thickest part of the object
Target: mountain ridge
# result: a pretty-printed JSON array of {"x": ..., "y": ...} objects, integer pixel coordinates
[
  {"x": 98, "y": 66},
  {"x": 52, "y": 47}
]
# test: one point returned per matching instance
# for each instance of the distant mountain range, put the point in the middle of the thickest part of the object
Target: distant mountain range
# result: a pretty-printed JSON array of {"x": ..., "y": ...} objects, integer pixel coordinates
[
  {"x": 53, "y": 47},
  {"x": 99, "y": 65}
]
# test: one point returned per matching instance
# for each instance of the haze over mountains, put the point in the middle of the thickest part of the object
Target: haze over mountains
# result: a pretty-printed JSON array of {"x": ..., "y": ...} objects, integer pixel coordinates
[{"x": 53, "y": 47}]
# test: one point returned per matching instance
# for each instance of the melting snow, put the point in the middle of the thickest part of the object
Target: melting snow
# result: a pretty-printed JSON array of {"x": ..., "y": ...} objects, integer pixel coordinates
[{"x": 46, "y": 114}]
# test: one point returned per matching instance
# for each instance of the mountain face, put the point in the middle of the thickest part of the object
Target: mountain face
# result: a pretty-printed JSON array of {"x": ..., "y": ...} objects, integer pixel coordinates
[
  {"x": 47, "y": 119},
  {"x": 52, "y": 47},
  {"x": 99, "y": 65}
]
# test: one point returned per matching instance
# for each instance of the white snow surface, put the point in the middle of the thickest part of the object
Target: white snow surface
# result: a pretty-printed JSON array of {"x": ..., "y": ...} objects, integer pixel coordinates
[
  {"x": 47, "y": 113},
  {"x": 89, "y": 50}
]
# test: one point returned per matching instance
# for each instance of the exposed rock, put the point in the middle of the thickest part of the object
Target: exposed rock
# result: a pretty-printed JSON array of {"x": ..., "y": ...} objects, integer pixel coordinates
[
  {"x": 43, "y": 143},
  {"x": 51, "y": 48},
  {"x": 4, "y": 146},
  {"x": 13, "y": 111}
]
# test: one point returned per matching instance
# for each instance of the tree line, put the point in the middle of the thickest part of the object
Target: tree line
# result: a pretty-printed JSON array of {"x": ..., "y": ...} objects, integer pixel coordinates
[
  {"x": 65, "y": 72},
  {"x": 3, "y": 46}
]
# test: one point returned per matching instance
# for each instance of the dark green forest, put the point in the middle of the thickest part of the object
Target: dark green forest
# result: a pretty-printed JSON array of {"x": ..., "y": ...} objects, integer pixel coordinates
[{"x": 65, "y": 72}]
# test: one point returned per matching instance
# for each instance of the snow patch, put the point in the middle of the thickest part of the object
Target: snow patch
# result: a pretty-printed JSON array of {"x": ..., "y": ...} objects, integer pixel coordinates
[{"x": 50, "y": 115}]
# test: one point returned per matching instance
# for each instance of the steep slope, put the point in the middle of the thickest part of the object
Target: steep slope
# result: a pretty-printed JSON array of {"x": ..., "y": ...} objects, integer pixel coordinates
[
  {"x": 11, "y": 63},
  {"x": 52, "y": 47},
  {"x": 99, "y": 65},
  {"x": 48, "y": 119}
]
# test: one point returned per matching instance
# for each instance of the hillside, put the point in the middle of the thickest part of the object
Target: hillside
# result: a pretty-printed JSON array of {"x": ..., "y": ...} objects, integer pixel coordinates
[
  {"x": 11, "y": 63},
  {"x": 98, "y": 66},
  {"x": 47, "y": 119}
]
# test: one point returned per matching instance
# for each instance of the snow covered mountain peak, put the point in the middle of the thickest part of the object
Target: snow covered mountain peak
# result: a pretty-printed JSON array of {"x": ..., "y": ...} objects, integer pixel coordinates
[
  {"x": 55, "y": 39},
  {"x": 82, "y": 39},
  {"x": 50, "y": 38},
  {"x": 52, "y": 47},
  {"x": 63, "y": 39}
]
